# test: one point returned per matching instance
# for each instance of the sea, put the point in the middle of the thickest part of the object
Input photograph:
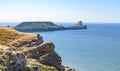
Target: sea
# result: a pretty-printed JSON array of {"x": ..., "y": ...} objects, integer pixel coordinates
[{"x": 94, "y": 49}]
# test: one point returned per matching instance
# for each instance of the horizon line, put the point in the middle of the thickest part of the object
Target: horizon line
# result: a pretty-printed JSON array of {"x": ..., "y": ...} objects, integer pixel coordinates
[{"x": 55, "y": 22}]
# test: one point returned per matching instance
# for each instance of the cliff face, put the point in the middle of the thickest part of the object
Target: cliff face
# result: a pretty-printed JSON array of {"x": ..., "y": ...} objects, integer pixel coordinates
[{"x": 28, "y": 52}]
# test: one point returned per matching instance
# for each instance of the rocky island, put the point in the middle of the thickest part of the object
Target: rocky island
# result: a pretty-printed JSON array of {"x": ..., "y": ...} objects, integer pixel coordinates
[
  {"x": 46, "y": 26},
  {"x": 78, "y": 25},
  {"x": 27, "y": 52}
]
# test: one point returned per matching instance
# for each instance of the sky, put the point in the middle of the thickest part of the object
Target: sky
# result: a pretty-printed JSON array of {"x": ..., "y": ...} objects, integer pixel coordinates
[{"x": 60, "y": 10}]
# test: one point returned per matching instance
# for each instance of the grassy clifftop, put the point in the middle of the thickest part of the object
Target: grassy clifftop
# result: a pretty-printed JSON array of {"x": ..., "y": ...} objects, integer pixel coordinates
[
  {"x": 8, "y": 34},
  {"x": 27, "y": 52}
]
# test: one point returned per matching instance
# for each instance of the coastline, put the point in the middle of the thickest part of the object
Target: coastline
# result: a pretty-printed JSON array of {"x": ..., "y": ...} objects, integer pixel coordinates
[{"x": 24, "y": 48}]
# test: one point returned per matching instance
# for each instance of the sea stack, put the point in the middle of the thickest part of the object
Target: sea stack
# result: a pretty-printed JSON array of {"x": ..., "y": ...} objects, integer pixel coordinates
[{"x": 79, "y": 25}]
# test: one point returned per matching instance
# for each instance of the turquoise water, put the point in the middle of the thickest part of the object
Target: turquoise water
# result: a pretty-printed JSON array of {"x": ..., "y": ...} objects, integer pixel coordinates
[{"x": 94, "y": 49}]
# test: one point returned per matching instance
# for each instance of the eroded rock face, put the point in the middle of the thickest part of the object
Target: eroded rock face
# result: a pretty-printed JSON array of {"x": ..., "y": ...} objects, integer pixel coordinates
[
  {"x": 13, "y": 62},
  {"x": 45, "y": 47},
  {"x": 46, "y": 55},
  {"x": 40, "y": 50},
  {"x": 14, "y": 59},
  {"x": 52, "y": 59},
  {"x": 31, "y": 42}
]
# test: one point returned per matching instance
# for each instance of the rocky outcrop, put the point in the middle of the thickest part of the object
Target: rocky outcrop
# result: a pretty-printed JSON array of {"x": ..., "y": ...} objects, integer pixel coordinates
[
  {"x": 45, "y": 47},
  {"x": 69, "y": 69},
  {"x": 30, "y": 53},
  {"x": 79, "y": 25},
  {"x": 45, "y": 54},
  {"x": 13, "y": 62},
  {"x": 26, "y": 42},
  {"x": 52, "y": 59}
]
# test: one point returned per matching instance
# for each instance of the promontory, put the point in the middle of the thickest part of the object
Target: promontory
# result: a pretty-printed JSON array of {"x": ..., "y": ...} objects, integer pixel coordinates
[
  {"x": 27, "y": 52},
  {"x": 46, "y": 26}
]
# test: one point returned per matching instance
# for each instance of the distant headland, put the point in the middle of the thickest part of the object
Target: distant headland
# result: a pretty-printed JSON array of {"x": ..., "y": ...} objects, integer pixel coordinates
[{"x": 46, "y": 26}]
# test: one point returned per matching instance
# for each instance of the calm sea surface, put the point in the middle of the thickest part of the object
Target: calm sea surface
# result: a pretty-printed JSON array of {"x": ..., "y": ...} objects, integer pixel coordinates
[{"x": 94, "y": 49}]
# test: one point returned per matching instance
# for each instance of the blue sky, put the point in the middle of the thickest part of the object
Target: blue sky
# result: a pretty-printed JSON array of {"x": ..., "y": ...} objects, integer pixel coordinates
[{"x": 60, "y": 10}]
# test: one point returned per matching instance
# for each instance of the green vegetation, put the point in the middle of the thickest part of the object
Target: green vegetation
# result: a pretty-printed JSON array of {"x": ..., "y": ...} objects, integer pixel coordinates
[{"x": 42, "y": 25}]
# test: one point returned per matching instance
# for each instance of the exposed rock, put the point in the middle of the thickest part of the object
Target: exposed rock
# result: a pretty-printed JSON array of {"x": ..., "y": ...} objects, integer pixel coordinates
[
  {"x": 40, "y": 50},
  {"x": 79, "y": 25},
  {"x": 46, "y": 55},
  {"x": 69, "y": 69},
  {"x": 28, "y": 42},
  {"x": 28, "y": 52},
  {"x": 13, "y": 62},
  {"x": 52, "y": 59},
  {"x": 11, "y": 49},
  {"x": 45, "y": 47}
]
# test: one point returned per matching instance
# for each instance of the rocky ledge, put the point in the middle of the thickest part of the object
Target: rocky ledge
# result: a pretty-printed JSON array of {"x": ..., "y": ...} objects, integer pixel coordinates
[{"x": 28, "y": 52}]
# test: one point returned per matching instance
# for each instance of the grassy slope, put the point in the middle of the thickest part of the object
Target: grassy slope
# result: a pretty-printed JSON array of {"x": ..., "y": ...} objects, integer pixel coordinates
[{"x": 8, "y": 34}]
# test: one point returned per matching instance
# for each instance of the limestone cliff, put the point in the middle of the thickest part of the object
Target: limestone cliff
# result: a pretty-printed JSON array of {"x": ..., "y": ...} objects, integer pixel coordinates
[{"x": 27, "y": 52}]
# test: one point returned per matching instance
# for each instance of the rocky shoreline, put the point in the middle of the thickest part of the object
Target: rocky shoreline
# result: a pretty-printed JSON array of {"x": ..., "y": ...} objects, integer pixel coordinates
[{"x": 29, "y": 52}]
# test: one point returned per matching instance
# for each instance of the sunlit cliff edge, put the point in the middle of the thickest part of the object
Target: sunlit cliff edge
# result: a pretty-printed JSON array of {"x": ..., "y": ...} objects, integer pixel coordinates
[{"x": 27, "y": 52}]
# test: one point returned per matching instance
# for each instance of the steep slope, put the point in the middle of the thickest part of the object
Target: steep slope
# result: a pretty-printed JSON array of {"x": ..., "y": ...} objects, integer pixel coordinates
[
  {"x": 8, "y": 35},
  {"x": 27, "y": 52}
]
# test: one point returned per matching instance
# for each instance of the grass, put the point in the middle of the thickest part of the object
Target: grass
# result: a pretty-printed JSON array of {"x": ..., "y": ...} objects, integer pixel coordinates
[
  {"x": 31, "y": 62},
  {"x": 38, "y": 25},
  {"x": 9, "y": 35}
]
